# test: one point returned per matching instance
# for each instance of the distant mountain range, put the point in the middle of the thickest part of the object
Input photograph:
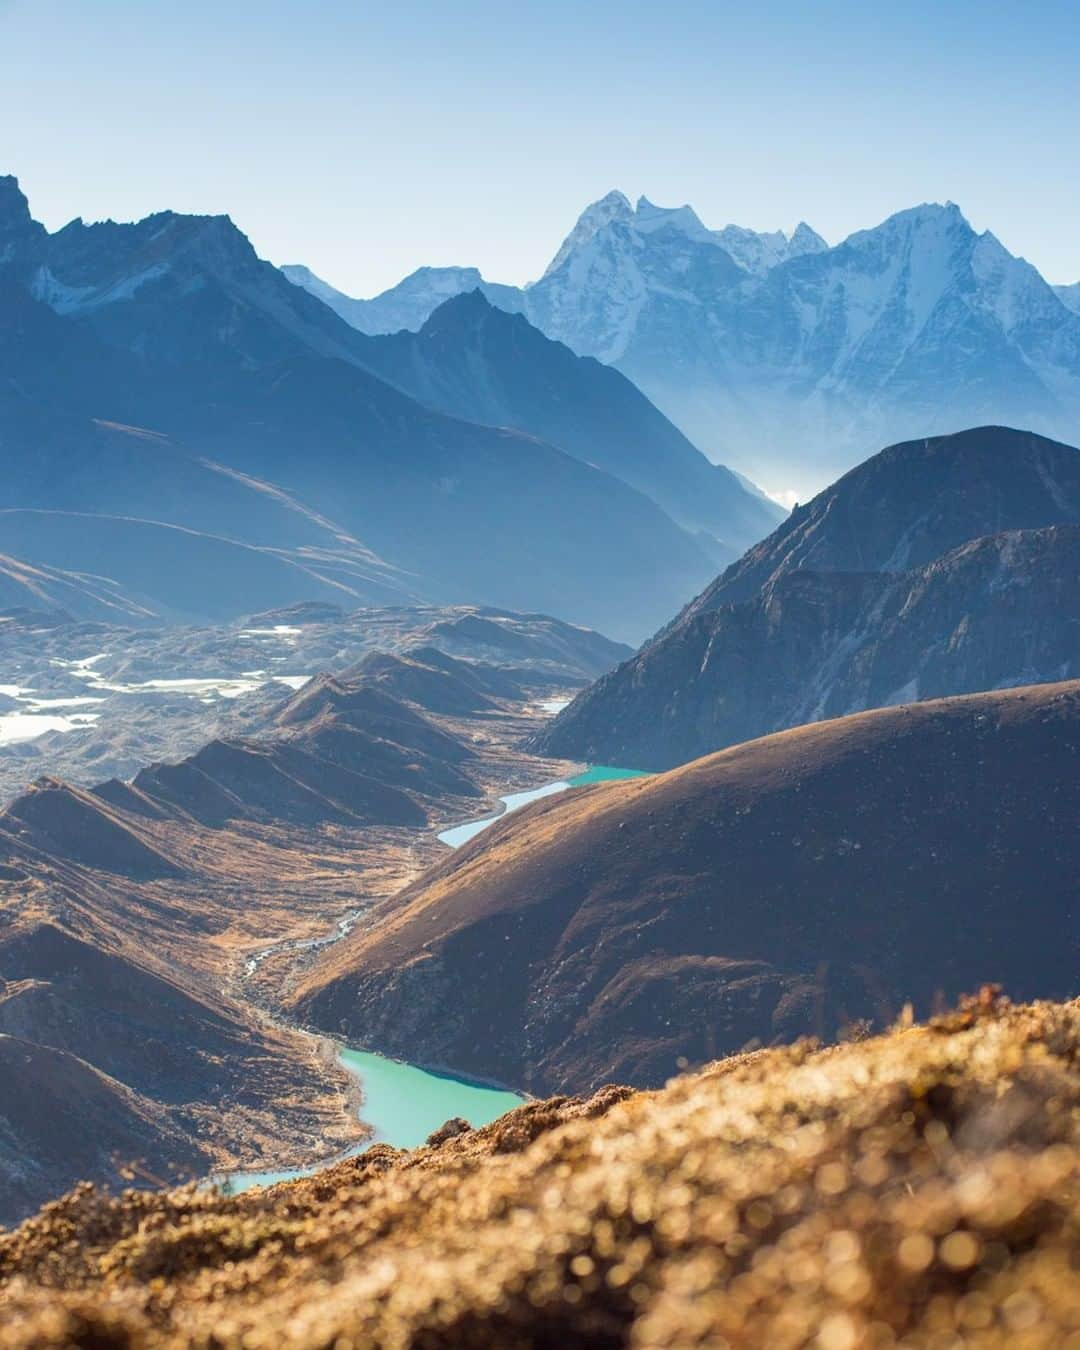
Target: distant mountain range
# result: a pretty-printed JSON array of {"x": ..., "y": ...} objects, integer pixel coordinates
[
  {"x": 215, "y": 428},
  {"x": 789, "y": 359},
  {"x": 937, "y": 567},
  {"x": 410, "y": 303}
]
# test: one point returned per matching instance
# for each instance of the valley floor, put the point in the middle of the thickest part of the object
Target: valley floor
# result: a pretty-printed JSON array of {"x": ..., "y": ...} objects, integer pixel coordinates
[{"x": 244, "y": 910}]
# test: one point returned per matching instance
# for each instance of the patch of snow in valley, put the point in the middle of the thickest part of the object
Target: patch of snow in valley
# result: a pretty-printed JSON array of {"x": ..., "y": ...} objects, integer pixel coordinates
[
  {"x": 553, "y": 706},
  {"x": 64, "y": 712},
  {"x": 204, "y": 688},
  {"x": 279, "y": 630},
  {"x": 38, "y": 703},
  {"x": 293, "y": 681},
  {"x": 27, "y": 726}
]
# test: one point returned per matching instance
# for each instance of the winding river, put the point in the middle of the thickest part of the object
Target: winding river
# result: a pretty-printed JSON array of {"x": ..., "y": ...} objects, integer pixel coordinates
[{"x": 404, "y": 1103}]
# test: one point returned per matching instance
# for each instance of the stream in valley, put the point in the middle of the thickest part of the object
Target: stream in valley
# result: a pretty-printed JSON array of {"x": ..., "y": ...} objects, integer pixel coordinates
[{"x": 404, "y": 1103}]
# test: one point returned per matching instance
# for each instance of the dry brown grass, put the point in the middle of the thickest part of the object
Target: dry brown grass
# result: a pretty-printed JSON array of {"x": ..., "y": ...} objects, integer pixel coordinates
[{"x": 916, "y": 1189}]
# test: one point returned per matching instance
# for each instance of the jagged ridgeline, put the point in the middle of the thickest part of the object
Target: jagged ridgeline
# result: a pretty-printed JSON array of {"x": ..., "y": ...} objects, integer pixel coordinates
[{"x": 784, "y": 357}]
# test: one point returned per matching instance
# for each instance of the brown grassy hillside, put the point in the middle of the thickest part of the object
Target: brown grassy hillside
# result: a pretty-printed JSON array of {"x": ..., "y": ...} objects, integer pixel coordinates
[
  {"x": 794, "y": 884},
  {"x": 919, "y": 1189}
]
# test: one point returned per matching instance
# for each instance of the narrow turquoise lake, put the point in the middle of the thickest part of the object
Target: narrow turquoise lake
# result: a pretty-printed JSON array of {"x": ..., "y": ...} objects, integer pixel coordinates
[{"x": 514, "y": 801}]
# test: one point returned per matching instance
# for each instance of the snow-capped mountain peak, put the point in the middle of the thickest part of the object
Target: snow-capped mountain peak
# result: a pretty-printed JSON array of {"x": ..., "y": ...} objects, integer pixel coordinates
[
  {"x": 614, "y": 206},
  {"x": 805, "y": 239},
  {"x": 754, "y": 251},
  {"x": 932, "y": 221}
]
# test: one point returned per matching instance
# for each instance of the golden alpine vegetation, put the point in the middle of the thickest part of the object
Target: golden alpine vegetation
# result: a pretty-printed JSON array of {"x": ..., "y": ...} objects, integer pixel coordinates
[{"x": 916, "y": 1189}]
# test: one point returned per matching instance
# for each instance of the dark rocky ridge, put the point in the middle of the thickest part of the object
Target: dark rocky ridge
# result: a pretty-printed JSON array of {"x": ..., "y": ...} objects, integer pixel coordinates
[
  {"x": 52, "y": 818},
  {"x": 996, "y": 612},
  {"x": 909, "y": 504},
  {"x": 340, "y": 750},
  {"x": 787, "y": 886},
  {"x": 872, "y": 594}
]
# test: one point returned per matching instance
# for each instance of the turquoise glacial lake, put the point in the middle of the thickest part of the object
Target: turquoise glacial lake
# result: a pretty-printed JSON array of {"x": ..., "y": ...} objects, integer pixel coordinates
[{"x": 403, "y": 1105}]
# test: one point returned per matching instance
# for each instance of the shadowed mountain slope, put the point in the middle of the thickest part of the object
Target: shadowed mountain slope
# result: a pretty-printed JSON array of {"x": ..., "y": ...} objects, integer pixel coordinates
[
  {"x": 997, "y": 612},
  {"x": 912, "y": 502},
  {"x": 54, "y": 819},
  {"x": 791, "y": 884},
  {"x": 473, "y": 360},
  {"x": 438, "y": 683},
  {"x": 872, "y": 594},
  {"x": 68, "y": 1120},
  {"x": 106, "y": 1009}
]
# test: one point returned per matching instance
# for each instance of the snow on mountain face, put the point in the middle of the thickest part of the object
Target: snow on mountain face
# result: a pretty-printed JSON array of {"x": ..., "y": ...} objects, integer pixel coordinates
[
  {"x": 591, "y": 221},
  {"x": 792, "y": 370},
  {"x": 648, "y": 218},
  {"x": 758, "y": 252},
  {"x": 650, "y": 257},
  {"x": 171, "y": 287},
  {"x": 1069, "y": 296},
  {"x": 65, "y": 299}
]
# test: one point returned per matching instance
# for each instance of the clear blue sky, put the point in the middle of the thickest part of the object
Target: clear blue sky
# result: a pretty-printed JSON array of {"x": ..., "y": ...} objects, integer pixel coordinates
[{"x": 367, "y": 138}]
